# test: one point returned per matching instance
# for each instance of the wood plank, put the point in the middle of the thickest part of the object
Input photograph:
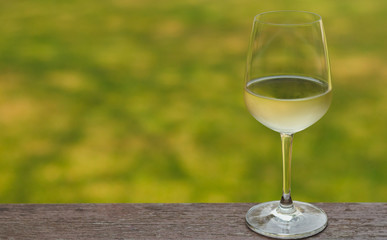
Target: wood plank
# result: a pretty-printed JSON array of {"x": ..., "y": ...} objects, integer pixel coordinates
[{"x": 172, "y": 221}]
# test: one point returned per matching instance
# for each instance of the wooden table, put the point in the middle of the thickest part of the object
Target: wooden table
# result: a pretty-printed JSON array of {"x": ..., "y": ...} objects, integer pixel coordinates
[{"x": 172, "y": 221}]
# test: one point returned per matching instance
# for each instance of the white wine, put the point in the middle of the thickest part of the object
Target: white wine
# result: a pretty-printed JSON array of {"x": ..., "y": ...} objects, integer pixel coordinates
[{"x": 287, "y": 104}]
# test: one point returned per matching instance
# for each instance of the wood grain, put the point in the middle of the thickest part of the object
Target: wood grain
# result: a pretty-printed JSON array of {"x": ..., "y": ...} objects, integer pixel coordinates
[{"x": 172, "y": 221}]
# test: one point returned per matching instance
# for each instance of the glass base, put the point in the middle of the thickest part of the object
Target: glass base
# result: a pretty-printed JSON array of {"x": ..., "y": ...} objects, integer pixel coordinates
[{"x": 304, "y": 221}]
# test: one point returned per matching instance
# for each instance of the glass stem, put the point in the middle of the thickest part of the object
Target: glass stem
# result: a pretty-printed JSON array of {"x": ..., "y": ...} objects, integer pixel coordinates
[{"x": 286, "y": 203}]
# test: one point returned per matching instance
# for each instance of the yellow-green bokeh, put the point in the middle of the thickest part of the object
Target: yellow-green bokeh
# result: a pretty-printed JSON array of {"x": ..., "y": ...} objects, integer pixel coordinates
[{"x": 142, "y": 101}]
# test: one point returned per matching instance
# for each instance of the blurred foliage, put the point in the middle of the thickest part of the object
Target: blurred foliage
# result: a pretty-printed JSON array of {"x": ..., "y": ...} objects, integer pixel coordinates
[{"x": 141, "y": 101}]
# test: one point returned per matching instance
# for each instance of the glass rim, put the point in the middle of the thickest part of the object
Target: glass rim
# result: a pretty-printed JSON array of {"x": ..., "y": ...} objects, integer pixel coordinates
[{"x": 317, "y": 16}]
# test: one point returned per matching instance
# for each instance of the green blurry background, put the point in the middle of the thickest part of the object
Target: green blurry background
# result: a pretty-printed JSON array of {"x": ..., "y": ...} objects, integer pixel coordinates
[{"x": 141, "y": 101}]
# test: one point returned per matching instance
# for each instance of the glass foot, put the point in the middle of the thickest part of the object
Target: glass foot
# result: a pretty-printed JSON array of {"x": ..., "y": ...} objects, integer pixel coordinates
[{"x": 306, "y": 220}]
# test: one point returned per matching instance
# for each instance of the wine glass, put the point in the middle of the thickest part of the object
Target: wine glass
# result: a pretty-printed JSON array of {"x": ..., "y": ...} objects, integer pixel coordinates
[{"x": 287, "y": 89}]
